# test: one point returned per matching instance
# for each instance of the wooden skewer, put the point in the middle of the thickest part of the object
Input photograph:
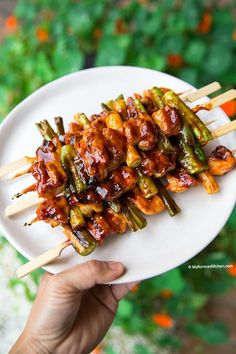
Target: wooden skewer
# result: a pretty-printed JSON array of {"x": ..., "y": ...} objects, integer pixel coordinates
[
  {"x": 13, "y": 166},
  {"x": 225, "y": 129},
  {"x": 190, "y": 97},
  {"x": 23, "y": 204},
  {"x": 41, "y": 260},
  {"x": 203, "y": 91},
  {"x": 216, "y": 101},
  {"x": 34, "y": 199}
]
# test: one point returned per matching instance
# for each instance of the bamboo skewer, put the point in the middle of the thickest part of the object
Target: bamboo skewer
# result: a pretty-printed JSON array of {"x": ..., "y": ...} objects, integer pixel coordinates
[
  {"x": 13, "y": 166},
  {"x": 23, "y": 204},
  {"x": 216, "y": 101},
  {"x": 189, "y": 97},
  {"x": 52, "y": 254},
  {"x": 41, "y": 260},
  {"x": 225, "y": 129},
  {"x": 203, "y": 91},
  {"x": 34, "y": 199}
]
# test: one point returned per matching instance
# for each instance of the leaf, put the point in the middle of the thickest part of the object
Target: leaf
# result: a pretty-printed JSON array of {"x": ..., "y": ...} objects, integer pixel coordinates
[
  {"x": 125, "y": 309},
  {"x": 195, "y": 52},
  {"x": 212, "y": 333},
  {"x": 189, "y": 75},
  {"x": 66, "y": 60},
  {"x": 231, "y": 223},
  {"x": 171, "y": 280},
  {"x": 112, "y": 50},
  {"x": 141, "y": 349},
  {"x": 218, "y": 60},
  {"x": 197, "y": 300}
]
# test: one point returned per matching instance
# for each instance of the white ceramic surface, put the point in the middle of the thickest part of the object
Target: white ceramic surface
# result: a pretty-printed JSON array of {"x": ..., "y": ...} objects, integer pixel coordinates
[{"x": 166, "y": 242}]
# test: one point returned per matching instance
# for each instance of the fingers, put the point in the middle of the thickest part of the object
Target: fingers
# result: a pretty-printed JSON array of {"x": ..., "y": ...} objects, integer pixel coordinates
[
  {"x": 120, "y": 290},
  {"x": 88, "y": 274}
]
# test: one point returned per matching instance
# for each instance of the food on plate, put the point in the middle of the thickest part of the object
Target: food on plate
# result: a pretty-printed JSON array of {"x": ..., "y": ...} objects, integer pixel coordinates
[{"x": 99, "y": 177}]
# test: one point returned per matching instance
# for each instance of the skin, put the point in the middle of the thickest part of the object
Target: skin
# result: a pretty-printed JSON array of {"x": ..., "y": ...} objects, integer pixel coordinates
[{"x": 73, "y": 310}]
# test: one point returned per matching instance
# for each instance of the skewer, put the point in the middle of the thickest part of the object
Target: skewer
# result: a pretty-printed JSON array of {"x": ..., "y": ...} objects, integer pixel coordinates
[
  {"x": 203, "y": 91},
  {"x": 13, "y": 166},
  {"x": 41, "y": 260},
  {"x": 34, "y": 199},
  {"x": 225, "y": 129},
  {"x": 216, "y": 101},
  {"x": 186, "y": 96},
  {"x": 23, "y": 204}
]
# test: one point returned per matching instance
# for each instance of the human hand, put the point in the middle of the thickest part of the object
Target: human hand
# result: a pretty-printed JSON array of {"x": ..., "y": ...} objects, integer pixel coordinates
[{"x": 72, "y": 312}]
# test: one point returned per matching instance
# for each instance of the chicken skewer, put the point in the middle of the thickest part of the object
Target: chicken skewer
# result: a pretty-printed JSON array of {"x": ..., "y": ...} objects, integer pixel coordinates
[
  {"x": 220, "y": 162},
  {"x": 192, "y": 96},
  {"x": 20, "y": 206},
  {"x": 58, "y": 145}
]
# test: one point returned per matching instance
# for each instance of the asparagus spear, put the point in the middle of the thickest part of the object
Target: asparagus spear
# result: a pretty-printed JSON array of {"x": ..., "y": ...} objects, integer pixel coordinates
[
  {"x": 82, "y": 120},
  {"x": 76, "y": 218},
  {"x": 85, "y": 244},
  {"x": 169, "y": 202},
  {"x": 108, "y": 106},
  {"x": 120, "y": 107},
  {"x": 201, "y": 132},
  {"x": 147, "y": 185},
  {"x": 46, "y": 130},
  {"x": 157, "y": 96},
  {"x": 67, "y": 157},
  {"x": 60, "y": 128},
  {"x": 133, "y": 216}
]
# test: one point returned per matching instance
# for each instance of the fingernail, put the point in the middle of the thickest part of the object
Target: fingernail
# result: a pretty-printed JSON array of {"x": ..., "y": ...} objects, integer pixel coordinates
[{"x": 115, "y": 265}]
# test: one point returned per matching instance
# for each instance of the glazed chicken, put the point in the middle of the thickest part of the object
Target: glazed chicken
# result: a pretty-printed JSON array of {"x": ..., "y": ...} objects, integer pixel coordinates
[
  {"x": 180, "y": 180},
  {"x": 151, "y": 206},
  {"x": 99, "y": 176},
  {"x": 221, "y": 161}
]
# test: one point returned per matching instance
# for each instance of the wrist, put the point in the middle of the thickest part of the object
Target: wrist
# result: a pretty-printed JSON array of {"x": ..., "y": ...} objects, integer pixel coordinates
[{"x": 27, "y": 345}]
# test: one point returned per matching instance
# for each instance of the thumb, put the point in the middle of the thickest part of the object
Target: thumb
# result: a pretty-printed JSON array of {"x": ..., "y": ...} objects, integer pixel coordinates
[{"x": 87, "y": 275}]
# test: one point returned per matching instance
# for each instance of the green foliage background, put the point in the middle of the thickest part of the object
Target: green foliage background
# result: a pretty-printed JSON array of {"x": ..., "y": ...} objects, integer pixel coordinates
[{"x": 162, "y": 35}]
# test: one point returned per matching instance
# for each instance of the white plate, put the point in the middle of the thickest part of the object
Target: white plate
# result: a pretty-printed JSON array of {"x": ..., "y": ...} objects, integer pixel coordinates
[{"x": 166, "y": 242}]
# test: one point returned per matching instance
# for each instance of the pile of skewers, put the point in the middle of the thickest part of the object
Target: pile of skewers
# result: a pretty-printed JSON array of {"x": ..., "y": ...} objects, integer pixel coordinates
[{"x": 106, "y": 172}]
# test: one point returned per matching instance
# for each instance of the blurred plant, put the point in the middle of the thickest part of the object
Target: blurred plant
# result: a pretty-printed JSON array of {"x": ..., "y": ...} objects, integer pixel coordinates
[{"x": 194, "y": 40}]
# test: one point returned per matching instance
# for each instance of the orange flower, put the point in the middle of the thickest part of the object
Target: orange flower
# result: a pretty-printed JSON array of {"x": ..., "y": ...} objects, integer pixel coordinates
[
  {"x": 232, "y": 270},
  {"x": 135, "y": 288},
  {"x": 42, "y": 35},
  {"x": 97, "y": 350},
  {"x": 166, "y": 293},
  {"x": 11, "y": 23},
  {"x": 229, "y": 108},
  {"x": 206, "y": 23},
  {"x": 234, "y": 35},
  {"x": 163, "y": 320},
  {"x": 175, "y": 60},
  {"x": 120, "y": 26},
  {"x": 97, "y": 33}
]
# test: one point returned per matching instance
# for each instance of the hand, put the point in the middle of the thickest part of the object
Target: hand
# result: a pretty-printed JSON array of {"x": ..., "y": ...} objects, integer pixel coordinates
[{"x": 72, "y": 312}]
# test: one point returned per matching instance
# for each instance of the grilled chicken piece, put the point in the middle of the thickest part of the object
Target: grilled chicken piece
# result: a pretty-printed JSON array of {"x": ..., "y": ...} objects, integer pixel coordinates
[
  {"x": 73, "y": 135},
  {"x": 47, "y": 170},
  {"x": 101, "y": 150},
  {"x": 88, "y": 201},
  {"x": 168, "y": 120},
  {"x": 120, "y": 181},
  {"x": 54, "y": 211},
  {"x": 150, "y": 206},
  {"x": 156, "y": 163},
  {"x": 180, "y": 180},
  {"x": 99, "y": 227},
  {"x": 221, "y": 161},
  {"x": 116, "y": 221}
]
